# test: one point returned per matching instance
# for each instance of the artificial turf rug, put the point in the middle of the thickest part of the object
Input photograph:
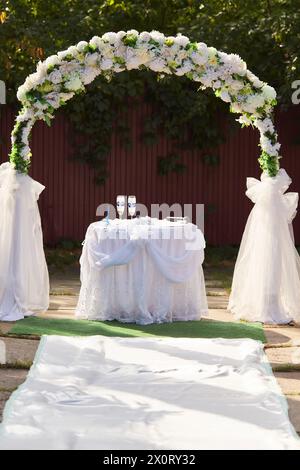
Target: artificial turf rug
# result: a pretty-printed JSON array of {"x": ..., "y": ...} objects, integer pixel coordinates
[{"x": 192, "y": 329}]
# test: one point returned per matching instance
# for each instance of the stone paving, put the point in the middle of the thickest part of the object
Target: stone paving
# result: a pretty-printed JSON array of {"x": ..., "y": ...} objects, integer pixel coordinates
[{"x": 282, "y": 349}]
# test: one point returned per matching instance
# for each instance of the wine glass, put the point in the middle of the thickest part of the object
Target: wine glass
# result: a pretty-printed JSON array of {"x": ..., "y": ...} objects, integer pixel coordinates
[
  {"x": 121, "y": 205},
  {"x": 131, "y": 205}
]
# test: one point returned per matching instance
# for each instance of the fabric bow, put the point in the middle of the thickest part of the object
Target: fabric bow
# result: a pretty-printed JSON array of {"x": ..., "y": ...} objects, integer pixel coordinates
[{"x": 268, "y": 186}]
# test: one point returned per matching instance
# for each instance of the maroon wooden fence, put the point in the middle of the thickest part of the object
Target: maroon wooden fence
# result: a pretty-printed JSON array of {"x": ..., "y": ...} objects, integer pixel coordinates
[{"x": 71, "y": 197}]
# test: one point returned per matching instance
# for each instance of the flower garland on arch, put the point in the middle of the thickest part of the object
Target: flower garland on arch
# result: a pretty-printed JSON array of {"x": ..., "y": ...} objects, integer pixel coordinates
[{"x": 61, "y": 76}]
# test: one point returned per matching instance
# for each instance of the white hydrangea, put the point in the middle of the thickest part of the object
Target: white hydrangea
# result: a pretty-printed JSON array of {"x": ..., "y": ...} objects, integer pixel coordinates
[
  {"x": 55, "y": 76},
  {"x": 244, "y": 120},
  {"x": 89, "y": 74},
  {"x": 21, "y": 93},
  {"x": 225, "y": 96},
  {"x": 236, "y": 107},
  {"x": 185, "y": 68},
  {"x": 96, "y": 41},
  {"x": 269, "y": 92},
  {"x": 157, "y": 36},
  {"x": 120, "y": 36},
  {"x": 74, "y": 83},
  {"x": 25, "y": 115},
  {"x": 145, "y": 36},
  {"x": 199, "y": 58},
  {"x": 106, "y": 64},
  {"x": 132, "y": 32},
  {"x": 157, "y": 65},
  {"x": 53, "y": 99},
  {"x": 52, "y": 61},
  {"x": 91, "y": 59},
  {"x": 265, "y": 125},
  {"x": 72, "y": 50},
  {"x": 81, "y": 46},
  {"x": 181, "y": 40},
  {"x": 254, "y": 79},
  {"x": 110, "y": 37},
  {"x": 233, "y": 63}
]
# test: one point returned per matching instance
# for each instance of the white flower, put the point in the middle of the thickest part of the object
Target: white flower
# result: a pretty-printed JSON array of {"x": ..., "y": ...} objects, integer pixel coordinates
[
  {"x": 225, "y": 96},
  {"x": 26, "y": 152},
  {"x": 66, "y": 96},
  {"x": 96, "y": 41},
  {"x": 91, "y": 59},
  {"x": 53, "y": 99},
  {"x": 74, "y": 83},
  {"x": 157, "y": 65},
  {"x": 236, "y": 107},
  {"x": 106, "y": 64},
  {"x": 81, "y": 46},
  {"x": 52, "y": 61},
  {"x": 145, "y": 36},
  {"x": 55, "y": 76},
  {"x": 181, "y": 55},
  {"x": 21, "y": 93},
  {"x": 110, "y": 37},
  {"x": 199, "y": 58},
  {"x": 208, "y": 77},
  {"x": 132, "y": 32},
  {"x": 72, "y": 50},
  {"x": 265, "y": 125},
  {"x": 233, "y": 63},
  {"x": 254, "y": 79},
  {"x": 157, "y": 36},
  {"x": 217, "y": 84},
  {"x": 25, "y": 115},
  {"x": 267, "y": 146},
  {"x": 181, "y": 40},
  {"x": 186, "y": 67},
  {"x": 253, "y": 102},
  {"x": 41, "y": 106},
  {"x": 269, "y": 92},
  {"x": 236, "y": 85},
  {"x": 62, "y": 54},
  {"x": 106, "y": 50},
  {"x": 120, "y": 36},
  {"x": 89, "y": 74},
  {"x": 244, "y": 120}
]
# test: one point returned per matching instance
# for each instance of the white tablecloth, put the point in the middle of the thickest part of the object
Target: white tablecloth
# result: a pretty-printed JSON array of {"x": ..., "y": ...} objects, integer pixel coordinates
[{"x": 142, "y": 271}]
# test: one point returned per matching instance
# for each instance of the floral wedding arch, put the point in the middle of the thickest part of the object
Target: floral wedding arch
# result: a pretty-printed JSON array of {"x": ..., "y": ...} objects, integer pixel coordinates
[
  {"x": 266, "y": 282},
  {"x": 61, "y": 76}
]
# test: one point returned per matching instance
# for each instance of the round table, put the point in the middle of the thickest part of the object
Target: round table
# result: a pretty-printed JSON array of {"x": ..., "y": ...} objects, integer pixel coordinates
[{"x": 142, "y": 271}]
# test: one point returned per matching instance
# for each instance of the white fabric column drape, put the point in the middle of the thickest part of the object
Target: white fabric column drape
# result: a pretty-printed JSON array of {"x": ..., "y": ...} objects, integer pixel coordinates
[
  {"x": 266, "y": 281},
  {"x": 24, "y": 280}
]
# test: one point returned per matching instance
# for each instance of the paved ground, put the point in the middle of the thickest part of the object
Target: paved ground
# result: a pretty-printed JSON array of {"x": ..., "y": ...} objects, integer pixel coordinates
[{"x": 283, "y": 347}]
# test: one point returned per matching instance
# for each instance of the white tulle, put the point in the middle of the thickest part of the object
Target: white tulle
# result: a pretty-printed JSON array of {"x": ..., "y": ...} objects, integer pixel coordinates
[
  {"x": 24, "y": 280},
  {"x": 140, "y": 280},
  {"x": 266, "y": 281}
]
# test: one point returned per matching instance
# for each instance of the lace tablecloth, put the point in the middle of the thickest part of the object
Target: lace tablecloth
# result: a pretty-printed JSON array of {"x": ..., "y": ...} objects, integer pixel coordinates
[{"x": 142, "y": 271}]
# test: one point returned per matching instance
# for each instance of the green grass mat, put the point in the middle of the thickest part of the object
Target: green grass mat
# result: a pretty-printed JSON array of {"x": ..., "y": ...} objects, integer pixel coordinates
[{"x": 191, "y": 329}]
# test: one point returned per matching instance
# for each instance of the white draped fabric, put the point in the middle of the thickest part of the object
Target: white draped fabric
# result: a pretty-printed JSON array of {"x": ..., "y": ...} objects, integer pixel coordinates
[
  {"x": 24, "y": 281},
  {"x": 148, "y": 393},
  {"x": 142, "y": 271},
  {"x": 266, "y": 281}
]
